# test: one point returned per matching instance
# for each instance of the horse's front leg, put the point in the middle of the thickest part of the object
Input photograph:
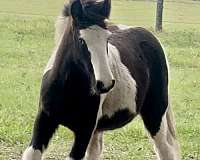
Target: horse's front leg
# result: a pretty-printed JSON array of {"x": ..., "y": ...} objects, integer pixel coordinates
[
  {"x": 44, "y": 128},
  {"x": 83, "y": 135},
  {"x": 95, "y": 148},
  {"x": 81, "y": 142}
]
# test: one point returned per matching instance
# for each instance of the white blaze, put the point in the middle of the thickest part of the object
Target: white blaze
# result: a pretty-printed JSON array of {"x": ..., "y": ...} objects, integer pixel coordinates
[{"x": 96, "y": 40}]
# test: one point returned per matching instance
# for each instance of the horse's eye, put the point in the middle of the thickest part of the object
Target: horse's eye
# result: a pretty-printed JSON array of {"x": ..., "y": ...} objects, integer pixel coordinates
[{"x": 82, "y": 41}]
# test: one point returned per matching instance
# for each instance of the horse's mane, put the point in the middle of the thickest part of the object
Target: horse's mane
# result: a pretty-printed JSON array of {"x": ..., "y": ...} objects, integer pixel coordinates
[{"x": 67, "y": 46}]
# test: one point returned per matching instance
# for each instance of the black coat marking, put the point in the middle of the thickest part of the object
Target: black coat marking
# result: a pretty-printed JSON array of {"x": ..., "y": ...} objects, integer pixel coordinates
[
  {"x": 144, "y": 57},
  {"x": 118, "y": 120},
  {"x": 69, "y": 94},
  {"x": 87, "y": 13}
]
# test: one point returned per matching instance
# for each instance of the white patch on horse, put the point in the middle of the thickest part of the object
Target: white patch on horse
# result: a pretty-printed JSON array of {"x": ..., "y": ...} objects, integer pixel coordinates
[
  {"x": 102, "y": 99},
  {"x": 95, "y": 148},
  {"x": 165, "y": 143},
  {"x": 31, "y": 154},
  {"x": 123, "y": 27},
  {"x": 96, "y": 40},
  {"x": 123, "y": 95}
]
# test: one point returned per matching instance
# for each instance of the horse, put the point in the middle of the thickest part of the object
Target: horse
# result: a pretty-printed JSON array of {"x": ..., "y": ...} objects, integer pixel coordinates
[{"x": 99, "y": 78}]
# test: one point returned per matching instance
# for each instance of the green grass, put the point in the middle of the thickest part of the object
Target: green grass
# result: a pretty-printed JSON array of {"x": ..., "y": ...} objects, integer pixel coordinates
[{"x": 26, "y": 42}]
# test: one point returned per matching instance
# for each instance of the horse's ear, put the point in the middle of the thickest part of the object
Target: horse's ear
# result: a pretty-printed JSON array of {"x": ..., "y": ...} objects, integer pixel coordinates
[
  {"x": 76, "y": 9},
  {"x": 105, "y": 8},
  {"x": 96, "y": 10}
]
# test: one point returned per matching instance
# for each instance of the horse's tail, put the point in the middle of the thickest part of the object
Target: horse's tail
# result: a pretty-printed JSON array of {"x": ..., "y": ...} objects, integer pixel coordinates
[
  {"x": 172, "y": 129},
  {"x": 171, "y": 121}
]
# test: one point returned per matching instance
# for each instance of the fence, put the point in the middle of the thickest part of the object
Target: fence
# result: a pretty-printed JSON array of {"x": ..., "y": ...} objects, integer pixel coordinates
[{"x": 131, "y": 12}]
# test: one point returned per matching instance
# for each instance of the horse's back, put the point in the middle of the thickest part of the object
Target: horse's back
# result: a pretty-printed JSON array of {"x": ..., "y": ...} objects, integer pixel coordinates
[{"x": 144, "y": 57}]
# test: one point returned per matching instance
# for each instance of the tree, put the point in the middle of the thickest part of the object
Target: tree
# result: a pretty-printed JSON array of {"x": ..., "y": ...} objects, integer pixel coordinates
[{"x": 159, "y": 15}]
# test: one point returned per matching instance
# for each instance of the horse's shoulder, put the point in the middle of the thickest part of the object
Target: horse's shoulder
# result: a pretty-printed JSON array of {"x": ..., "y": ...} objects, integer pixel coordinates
[{"x": 130, "y": 32}]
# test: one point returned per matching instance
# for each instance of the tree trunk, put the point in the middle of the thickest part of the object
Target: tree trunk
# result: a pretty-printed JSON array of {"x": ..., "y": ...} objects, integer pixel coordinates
[{"x": 159, "y": 14}]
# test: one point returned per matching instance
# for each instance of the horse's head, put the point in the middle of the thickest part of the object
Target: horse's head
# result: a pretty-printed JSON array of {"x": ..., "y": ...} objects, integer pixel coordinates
[{"x": 89, "y": 17}]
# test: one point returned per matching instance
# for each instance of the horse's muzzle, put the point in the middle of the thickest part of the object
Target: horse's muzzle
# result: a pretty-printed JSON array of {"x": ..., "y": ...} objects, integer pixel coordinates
[{"x": 104, "y": 89}]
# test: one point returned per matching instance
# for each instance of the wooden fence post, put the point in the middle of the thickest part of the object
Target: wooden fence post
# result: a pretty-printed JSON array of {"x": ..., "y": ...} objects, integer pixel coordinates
[{"x": 159, "y": 15}]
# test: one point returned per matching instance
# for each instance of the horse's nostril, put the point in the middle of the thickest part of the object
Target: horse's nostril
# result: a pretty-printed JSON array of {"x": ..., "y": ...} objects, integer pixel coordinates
[
  {"x": 100, "y": 85},
  {"x": 104, "y": 89}
]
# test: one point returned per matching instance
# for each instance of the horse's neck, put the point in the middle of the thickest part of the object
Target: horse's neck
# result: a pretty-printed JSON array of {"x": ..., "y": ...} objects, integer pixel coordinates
[
  {"x": 120, "y": 71},
  {"x": 59, "y": 72}
]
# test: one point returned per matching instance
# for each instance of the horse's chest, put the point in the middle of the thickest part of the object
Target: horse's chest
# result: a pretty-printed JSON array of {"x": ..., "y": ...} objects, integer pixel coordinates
[{"x": 123, "y": 95}]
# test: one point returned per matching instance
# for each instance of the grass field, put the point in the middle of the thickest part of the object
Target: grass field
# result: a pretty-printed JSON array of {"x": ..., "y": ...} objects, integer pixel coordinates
[{"x": 26, "y": 42}]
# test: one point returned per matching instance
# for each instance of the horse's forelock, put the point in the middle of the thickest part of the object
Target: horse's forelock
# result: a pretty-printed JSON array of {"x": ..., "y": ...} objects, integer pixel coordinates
[{"x": 88, "y": 12}]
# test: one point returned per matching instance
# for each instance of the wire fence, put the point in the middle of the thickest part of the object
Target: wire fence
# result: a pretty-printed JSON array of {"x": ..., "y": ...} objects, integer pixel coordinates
[
  {"x": 183, "y": 12},
  {"x": 180, "y": 2}
]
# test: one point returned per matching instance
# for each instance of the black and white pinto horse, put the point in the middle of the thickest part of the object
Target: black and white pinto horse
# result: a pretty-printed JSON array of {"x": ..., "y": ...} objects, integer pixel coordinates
[{"x": 99, "y": 78}]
